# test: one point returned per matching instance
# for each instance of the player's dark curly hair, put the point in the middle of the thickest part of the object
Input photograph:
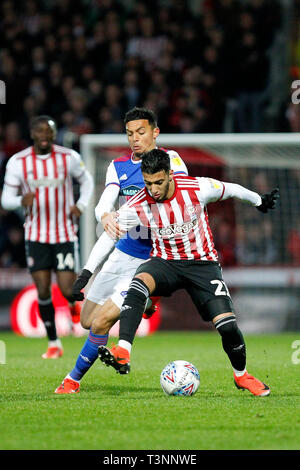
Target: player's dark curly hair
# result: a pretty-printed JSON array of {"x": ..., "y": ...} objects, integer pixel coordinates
[
  {"x": 141, "y": 113},
  {"x": 154, "y": 161},
  {"x": 42, "y": 118}
]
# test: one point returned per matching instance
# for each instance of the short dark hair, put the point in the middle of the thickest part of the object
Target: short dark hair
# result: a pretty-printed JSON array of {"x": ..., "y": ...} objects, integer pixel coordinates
[
  {"x": 141, "y": 113},
  {"x": 154, "y": 161},
  {"x": 43, "y": 118}
]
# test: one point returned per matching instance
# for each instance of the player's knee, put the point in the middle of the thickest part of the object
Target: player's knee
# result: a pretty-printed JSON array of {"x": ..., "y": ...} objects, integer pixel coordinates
[
  {"x": 86, "y": 316},
  {"x": 85, "y": 322},
  {"x": 138, "y": 288},
  {"x": 147, "y": 281},
  {"x": 44, "y": 291}
]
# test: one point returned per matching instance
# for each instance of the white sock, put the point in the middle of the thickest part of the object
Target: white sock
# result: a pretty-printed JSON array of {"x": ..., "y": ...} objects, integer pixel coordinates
[
  {"x": 69, "y": 377},
  {"x": 55, "y": 344},
  {"x": 125, "y": 344},
  {"x": 239, "y": 373}
]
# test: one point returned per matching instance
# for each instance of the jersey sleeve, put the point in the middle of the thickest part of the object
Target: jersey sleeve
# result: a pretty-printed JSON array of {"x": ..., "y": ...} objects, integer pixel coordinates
[
  {"x": 112, "y": 175},
  {"x": 107, "y": 201},
  {"x": 77, "y": 167},
  {"x": 10, "y": 199},
  {"x": 80, "y": 173},
  {"x": 213, "y": 190},
  {"x": 177, "y": 164},
  {"x": 12, "y": 173},
  {"x": 99, "y": 252}
]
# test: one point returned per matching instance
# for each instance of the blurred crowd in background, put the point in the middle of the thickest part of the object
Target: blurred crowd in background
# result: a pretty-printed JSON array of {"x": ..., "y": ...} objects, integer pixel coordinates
[{"x": 202, "y": 66}]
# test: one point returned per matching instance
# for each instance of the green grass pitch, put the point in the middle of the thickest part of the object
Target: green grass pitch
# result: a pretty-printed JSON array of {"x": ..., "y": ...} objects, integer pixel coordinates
[{"x": 131, "y": 412}]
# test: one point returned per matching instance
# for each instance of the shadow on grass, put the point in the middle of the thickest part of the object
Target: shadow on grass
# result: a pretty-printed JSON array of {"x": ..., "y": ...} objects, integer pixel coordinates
[
  {"x": 112, "y": 390},
  {"x": 87, "y": 392}
]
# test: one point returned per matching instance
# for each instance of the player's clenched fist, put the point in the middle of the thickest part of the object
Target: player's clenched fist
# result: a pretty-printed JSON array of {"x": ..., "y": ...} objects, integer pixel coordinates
[
  {"x": 27, "y": 199},
  {"x": 74, "y": 210},
  {"x": 80, "y": 283}
]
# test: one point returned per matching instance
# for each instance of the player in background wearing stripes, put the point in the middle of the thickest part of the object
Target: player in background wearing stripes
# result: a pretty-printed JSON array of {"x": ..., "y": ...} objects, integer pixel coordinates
[
  {"x": 101, "y": 308},
  {"x": 183, "y": 256},
  {"x": 43, "y": 174}
]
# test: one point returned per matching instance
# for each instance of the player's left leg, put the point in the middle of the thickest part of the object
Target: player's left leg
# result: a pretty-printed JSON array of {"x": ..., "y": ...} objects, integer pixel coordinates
[
  {"x": 98, "y": 336},
  {"x": 153, "y": 277},
  {"x": 131, "y": 314},
  {"x": 42, "y": 280}
]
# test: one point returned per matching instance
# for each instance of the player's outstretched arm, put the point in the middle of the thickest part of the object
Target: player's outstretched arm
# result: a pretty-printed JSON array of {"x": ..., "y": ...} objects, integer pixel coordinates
[{"x": 232, "y": 190}]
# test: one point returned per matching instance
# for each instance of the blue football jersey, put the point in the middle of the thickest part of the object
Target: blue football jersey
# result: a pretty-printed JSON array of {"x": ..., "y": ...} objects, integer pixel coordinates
[{"x": 126, "y": 173}]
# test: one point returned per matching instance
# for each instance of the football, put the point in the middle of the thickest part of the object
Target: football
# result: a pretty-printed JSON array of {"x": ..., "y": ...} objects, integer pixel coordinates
[{"x": 180, "y": 378}]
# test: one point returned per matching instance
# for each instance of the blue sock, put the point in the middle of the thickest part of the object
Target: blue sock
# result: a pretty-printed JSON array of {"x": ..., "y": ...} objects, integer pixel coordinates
[{"x": 88, "y": 355}]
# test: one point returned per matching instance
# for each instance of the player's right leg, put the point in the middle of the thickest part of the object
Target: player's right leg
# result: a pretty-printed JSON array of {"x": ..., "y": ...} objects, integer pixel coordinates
[
  {"x": 234, "y": 346},
  {"x": 211, "y": 296},
  {"x": 39, "y": 261},
  {"x": 100, "y": 312}
]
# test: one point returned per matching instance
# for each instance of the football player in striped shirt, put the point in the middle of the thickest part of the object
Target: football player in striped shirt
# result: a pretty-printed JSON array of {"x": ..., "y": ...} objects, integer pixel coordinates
[
  {"x": 39, "y": 179},
  {"x": 183, "y": 256},
  {"x": 101, "y": 308}
]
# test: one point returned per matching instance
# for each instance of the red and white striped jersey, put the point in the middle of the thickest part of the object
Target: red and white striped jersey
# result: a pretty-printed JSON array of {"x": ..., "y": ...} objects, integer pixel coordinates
[
  {"x": 179, "y": 226},
  {"x": 50, "y": 178}
]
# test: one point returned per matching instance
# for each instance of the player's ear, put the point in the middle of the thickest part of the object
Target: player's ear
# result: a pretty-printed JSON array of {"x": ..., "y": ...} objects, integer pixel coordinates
[
  {"x": 171, "y": 174},
  {"x": 156, "y": 132}
]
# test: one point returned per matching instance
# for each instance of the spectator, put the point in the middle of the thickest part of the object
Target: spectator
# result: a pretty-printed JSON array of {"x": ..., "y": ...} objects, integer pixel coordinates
[
  {"x": 293, "y": 117},
  {"x": 225, "y": 243},
  {"x": 148, "y": 46},
  {"x": 293, "y": 244},
  {"x": 252, "y": 77},
  {"x": 115, "y": 64},
  {"x": 38, "y": 62},
  {"x": 12, "y": 249},
  {"x": 131, "y": 89},
  {"x": 13, "y": 141},
  {"x": 255, "y": 245}
]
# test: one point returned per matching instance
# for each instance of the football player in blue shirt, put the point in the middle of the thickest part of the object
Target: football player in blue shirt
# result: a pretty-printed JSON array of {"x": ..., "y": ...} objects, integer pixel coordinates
[{"x": 101, "y": 309}]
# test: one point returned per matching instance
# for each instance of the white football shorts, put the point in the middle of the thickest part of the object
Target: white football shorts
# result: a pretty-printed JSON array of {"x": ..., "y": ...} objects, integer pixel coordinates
[{"x": 113, "y": 280}]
